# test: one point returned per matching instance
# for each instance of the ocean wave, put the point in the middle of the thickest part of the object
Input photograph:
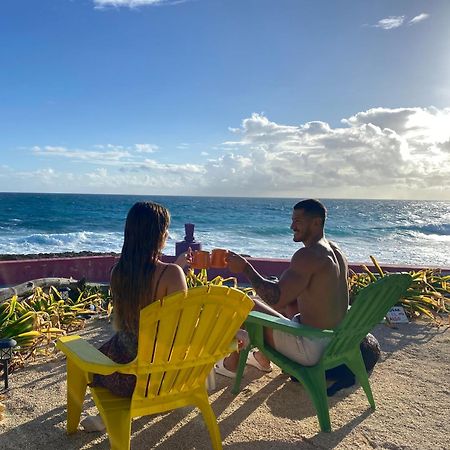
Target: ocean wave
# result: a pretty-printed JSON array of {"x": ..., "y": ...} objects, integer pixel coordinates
[
  {"x": 60, "y": 242},
  {"x": 442, "y": 229}
]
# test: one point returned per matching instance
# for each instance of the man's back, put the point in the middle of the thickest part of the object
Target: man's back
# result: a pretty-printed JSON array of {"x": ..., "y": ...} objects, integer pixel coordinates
[{"x": 324, "y": 301}]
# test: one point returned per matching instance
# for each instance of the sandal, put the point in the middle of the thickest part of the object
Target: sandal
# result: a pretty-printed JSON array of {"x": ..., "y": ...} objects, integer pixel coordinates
[
  {"x": 93, "y": 423},
  {"x": 222, "y": 370},
  {"x": 252, "y": 361}
]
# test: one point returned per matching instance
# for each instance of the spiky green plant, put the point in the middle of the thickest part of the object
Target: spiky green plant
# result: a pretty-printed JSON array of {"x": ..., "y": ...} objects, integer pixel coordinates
[
  {"x": 428, "y": 295},
  {"x": 36, "y": 321}
]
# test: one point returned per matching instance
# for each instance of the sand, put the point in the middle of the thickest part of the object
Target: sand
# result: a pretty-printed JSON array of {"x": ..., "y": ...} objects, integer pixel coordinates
[{"x": 411, "y": 386}]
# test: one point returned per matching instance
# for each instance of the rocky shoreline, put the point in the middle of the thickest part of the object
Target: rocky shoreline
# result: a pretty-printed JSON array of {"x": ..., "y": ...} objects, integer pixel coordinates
[{"x": 12, "y": 257}]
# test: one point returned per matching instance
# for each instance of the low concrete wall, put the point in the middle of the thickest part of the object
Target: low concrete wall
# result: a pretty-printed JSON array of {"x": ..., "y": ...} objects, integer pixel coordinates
[
  {"x": 93, "y": 268},
  {"x": 97, "y": 269}
]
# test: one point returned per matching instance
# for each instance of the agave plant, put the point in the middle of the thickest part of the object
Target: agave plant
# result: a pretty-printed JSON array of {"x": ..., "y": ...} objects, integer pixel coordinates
[
  {"x": 36, "y": 321},
  {"x": 428, "y": 295}
]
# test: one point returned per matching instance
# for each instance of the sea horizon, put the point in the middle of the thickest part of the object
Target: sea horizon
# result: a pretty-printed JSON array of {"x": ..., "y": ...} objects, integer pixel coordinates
[{"x": 229, "y": 196}]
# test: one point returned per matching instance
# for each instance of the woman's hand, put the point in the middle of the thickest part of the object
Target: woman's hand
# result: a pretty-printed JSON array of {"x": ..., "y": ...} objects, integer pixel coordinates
[{"x": 184, "y": 259}]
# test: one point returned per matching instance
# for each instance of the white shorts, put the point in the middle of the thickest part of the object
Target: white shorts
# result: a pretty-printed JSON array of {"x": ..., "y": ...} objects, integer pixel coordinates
[{"x": 306, "y": 351}]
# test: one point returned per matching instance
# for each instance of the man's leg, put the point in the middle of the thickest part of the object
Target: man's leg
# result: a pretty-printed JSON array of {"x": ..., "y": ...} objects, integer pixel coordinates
[{"x": 268, "y": 337}]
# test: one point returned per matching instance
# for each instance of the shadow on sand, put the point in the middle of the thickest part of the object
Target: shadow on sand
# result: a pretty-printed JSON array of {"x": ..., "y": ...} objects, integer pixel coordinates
[{"x": 184, "y": 428}]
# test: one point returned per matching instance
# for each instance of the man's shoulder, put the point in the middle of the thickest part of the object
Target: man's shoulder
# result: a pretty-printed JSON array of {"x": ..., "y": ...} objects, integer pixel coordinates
[
  {"x": 316, "y": 254},
  {"x": 304, "y": 256},
  {"x": 337, "y": 250}
]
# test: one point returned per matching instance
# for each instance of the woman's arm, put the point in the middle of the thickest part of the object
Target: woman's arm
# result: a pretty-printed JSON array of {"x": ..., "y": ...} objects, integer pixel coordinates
[
  {"x": 184, "y": 259},
  {"x": 175, "y": 279}
]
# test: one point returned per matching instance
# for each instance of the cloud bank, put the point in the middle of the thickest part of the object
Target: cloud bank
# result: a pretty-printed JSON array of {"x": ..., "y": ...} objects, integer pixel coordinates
[{"x": 378, "y": 153}]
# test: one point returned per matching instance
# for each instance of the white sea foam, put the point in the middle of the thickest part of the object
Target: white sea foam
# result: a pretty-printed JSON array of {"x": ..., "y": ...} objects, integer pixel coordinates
[{"x": 61, "y": 242}]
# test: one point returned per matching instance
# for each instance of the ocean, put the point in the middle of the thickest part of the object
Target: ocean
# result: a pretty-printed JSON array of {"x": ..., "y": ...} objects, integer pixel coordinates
[{"x": 394, "y": 232}]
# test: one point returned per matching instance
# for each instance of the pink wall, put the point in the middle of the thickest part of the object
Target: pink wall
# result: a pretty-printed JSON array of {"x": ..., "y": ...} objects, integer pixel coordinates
[
  {"x": 92, "y": 268},
  {"x": 97, "y": 268}
]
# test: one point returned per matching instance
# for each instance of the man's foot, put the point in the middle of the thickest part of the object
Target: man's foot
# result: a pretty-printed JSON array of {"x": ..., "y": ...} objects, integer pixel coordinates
[
  {"x": 258, "y": 360},
  {"x": 220, "y": 368}
]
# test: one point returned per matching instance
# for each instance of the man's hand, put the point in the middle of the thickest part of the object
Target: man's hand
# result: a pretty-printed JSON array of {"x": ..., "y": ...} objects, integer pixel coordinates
[
  {"x": 266, "y": 289},
  {"x": 236, "y": 263}
]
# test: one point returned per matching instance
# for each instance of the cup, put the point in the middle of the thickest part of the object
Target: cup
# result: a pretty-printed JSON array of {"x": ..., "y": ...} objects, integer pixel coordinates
[
  {"x": 219, "y": 258},
  {"x": 200, "y": 259}
]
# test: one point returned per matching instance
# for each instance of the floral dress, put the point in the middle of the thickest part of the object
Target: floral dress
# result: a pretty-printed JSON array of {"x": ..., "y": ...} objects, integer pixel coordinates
[{"x": 122, "y": 349}]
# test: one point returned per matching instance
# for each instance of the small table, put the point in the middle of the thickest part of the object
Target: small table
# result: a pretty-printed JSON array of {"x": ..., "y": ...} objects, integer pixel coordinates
[{"x": 6, "y": 351}]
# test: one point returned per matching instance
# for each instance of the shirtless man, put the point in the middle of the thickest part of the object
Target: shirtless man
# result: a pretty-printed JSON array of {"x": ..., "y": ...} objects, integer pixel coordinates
[{"x": 313, "y": 289}]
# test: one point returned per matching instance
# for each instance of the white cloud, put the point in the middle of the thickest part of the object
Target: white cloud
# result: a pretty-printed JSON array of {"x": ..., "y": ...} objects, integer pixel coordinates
[
  {"x": 151, "y": 166},
  {"x": 106, "y": 153},
  {"x": 146, "y": 148},
  {"x": 419, "y": 18},
  {"x": 429, "y": 125},
  {"x": 100, "y": 4},
  {"x": 390, "y": 22},
  {"x": 111, "y": 155}
]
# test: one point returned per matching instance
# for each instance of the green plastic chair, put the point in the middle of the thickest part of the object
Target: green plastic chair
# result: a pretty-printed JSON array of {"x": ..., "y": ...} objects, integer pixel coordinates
[{"x": 368, "y": 309}]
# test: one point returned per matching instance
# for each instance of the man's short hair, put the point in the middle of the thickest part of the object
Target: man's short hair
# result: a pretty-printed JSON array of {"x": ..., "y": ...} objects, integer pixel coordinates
[{"x": 313, "y": 208}]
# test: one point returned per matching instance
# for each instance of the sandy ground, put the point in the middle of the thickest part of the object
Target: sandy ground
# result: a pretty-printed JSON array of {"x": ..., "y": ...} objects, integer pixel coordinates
[{"x": 411, "y": 386}]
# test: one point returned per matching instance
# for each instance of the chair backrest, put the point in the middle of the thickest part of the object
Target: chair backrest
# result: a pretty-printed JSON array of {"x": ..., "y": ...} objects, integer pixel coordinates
[
  {"x": 368, "y": 309},
  {"x": 183, "y": 335}
]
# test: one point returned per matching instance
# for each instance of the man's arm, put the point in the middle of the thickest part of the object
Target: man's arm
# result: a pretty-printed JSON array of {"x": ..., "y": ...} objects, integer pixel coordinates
[
  {"x": 276, "y": 293},
  {"x": 268, "y": 290}
]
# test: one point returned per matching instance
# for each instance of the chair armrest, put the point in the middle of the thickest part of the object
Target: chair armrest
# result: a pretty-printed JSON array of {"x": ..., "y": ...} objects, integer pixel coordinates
[
  {"x": 88, "y": 358},
  {"x": 277, "y": 323}
]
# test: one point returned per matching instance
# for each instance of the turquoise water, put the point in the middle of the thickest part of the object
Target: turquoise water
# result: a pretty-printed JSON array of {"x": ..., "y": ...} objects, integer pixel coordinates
[{"x": 396, "y": 232}]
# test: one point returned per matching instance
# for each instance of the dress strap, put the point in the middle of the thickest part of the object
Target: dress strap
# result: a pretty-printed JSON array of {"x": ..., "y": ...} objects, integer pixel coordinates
[{"x": 159, "y": 279}]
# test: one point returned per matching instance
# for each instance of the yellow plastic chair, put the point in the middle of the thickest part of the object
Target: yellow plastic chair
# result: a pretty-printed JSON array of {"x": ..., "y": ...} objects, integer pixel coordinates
[{"x": 180, "y": 339}]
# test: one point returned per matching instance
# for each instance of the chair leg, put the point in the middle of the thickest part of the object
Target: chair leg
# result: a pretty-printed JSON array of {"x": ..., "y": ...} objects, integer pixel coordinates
[
  {"x": 240, "y": 371},
  {"x": 210, "y": 419},
  {"x": 76, "y": 391},
  {"x": 356, "y": 365},
  {"x": 118, "y": 427},
  {"x": 315, "y": 383}
]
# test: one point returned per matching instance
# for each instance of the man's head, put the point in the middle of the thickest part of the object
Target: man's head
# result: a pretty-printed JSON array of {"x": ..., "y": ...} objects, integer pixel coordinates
[{"x": 308, "y": 219}]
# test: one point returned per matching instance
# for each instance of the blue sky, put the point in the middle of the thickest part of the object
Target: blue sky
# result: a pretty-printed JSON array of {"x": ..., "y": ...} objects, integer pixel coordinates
[{"x": 293, "y": 98}]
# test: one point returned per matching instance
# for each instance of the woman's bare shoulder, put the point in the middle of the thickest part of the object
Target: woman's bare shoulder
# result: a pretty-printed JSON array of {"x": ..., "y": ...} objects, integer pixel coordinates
[{"x": 173, "y": 278}]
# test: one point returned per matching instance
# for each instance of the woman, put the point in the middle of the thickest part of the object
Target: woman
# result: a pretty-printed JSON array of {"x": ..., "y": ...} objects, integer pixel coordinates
[{"x": 138, "y": 279}]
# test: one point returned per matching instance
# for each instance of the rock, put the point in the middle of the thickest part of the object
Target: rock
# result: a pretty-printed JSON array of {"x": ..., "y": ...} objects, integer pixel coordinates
[{"x": 343, "y": 377}]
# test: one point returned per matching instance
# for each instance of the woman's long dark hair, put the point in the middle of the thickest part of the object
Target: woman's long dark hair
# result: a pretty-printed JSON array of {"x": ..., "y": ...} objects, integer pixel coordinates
[{"x": 131, "y": 279}]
